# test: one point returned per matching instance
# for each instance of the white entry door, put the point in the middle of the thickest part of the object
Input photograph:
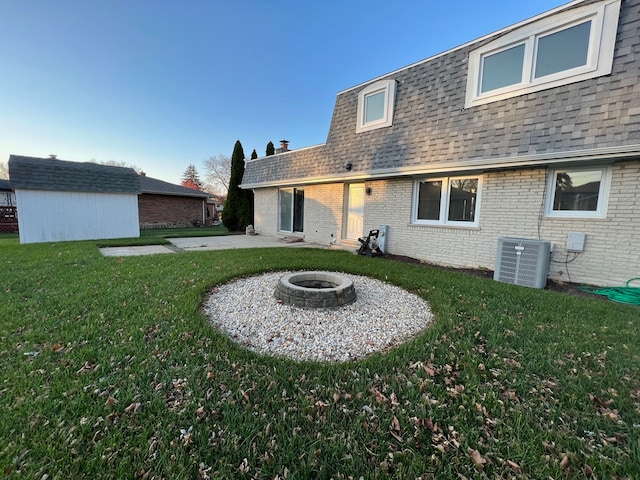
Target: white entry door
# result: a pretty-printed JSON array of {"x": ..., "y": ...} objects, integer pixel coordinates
[{"x": 355, "y": 211}]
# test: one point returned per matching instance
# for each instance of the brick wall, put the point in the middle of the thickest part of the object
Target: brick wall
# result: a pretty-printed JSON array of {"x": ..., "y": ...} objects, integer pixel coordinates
[
  {"x": 170, "y": 211},
  {"x": 265, "y": 211},
  {"x": 322, "y": 212},
  {"x": 512, "y": 204}
]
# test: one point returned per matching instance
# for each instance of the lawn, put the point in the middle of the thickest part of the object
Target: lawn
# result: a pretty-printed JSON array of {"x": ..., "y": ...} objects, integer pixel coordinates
[{"x": 108, "y": 369}]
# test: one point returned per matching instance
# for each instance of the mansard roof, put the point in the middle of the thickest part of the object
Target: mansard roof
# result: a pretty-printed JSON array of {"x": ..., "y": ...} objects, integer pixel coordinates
[{"x": 434, "y": 131}]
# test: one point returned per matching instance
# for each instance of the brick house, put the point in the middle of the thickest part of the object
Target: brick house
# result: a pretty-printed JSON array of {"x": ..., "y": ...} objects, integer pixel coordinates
[
  {"x": 530, "y": 132},
  {"x": 162, "y": 204}
]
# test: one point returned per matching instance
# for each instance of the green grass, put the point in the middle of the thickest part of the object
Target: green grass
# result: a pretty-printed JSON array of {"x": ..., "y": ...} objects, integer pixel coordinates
[{"x": 108, "y": 369}]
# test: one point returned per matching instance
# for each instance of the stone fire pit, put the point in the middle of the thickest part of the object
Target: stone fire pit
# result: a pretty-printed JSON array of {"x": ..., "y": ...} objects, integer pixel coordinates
[{"x": 315, "y": 290}]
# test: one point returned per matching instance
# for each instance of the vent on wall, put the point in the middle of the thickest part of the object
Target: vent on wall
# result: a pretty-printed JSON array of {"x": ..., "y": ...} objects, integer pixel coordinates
[{"x": 522, "y": 262}]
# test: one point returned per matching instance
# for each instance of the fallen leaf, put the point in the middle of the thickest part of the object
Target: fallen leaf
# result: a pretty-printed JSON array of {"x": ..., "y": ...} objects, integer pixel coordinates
[
  {"x": 133, "y": 408},
  {"x": 380, "y": 398},
  {"x": 478, "y": 460},
  {"x": 599, "y": 402},
  {"x": 513, "y": 465},
  {"x": 395, "y": 424},
  {"x": 548, "y": 446},
  {"x": 564, "y": 463},
  {"x": 200, "y": 412}
]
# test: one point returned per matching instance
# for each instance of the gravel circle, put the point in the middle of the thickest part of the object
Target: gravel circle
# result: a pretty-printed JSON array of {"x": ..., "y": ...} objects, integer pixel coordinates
[{"x": 382, "y": 317}]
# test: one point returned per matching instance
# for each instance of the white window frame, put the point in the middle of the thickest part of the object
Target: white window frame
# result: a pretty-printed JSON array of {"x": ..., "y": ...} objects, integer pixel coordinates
[
  {"x": 445, "y": 196},
  {"x": 389, "y": 89},
  {"x": 603, "y": 194},
  {"x": 604, "y": 23}
]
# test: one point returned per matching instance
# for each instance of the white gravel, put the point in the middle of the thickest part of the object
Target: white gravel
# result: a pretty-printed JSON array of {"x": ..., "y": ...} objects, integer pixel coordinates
[{"x": 383, "y": 316}]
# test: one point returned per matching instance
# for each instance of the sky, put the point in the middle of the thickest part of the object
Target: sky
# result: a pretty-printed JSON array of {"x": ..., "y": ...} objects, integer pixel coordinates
[{"x": 162, "y": 84}]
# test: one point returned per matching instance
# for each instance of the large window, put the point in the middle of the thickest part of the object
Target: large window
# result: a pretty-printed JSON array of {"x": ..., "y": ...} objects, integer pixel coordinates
[
  {"x": 447, "y": 201},
  {"x": 579, "y": 192},
  {"x": 375, "y": 105},
  {"x": 567, "y": 47},
  {"x": 291, "y": 209}
]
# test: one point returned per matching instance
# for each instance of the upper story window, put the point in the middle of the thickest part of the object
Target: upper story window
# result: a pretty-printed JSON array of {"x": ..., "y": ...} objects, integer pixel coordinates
[
  {"x": 375, "y": 105},
  {"x": 578, "y": 192},
  {"x": 447, "y": 201},
  {"x": 564, "y": 48}
]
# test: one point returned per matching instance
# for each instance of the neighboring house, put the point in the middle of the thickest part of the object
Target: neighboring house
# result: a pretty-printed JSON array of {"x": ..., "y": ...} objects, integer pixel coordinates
[
  {"x": 165, "y": 205},
  {"x": 59, "y": 200},
  {"x": 215, "y": 206},
  {"x": 8, "y": 212},
  {"x": 530, "y": 132}
]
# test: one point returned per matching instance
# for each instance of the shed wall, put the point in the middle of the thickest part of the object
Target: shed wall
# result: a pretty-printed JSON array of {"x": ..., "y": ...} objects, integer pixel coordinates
[{"x": 48, "y": 216}]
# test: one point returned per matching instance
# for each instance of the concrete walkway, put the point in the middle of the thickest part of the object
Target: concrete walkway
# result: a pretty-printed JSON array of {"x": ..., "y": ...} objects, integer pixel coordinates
[{"x": 220, "y": 242}]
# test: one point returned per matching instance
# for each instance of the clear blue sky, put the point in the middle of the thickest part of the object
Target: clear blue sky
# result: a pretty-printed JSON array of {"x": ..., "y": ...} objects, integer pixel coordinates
[{"x": 163, "y": 84}]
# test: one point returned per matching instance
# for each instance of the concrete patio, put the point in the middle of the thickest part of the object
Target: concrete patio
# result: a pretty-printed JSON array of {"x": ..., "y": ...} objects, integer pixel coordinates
[{"x": 220, "y": 242}]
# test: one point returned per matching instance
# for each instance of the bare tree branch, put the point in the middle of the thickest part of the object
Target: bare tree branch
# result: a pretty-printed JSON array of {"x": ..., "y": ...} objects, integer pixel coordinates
[
  {"x": 218, "y": 172},
  {"x": 117, "y": 163}
]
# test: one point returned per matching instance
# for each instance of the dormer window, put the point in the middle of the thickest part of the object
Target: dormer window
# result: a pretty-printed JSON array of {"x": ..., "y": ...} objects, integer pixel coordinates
[
  {"x": 568, "y": 47},
  {"x": 375, "y": 106}
]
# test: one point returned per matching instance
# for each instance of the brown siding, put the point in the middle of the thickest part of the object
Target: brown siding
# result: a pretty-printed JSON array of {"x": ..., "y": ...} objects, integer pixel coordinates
[{"x": 170, "y": 211}]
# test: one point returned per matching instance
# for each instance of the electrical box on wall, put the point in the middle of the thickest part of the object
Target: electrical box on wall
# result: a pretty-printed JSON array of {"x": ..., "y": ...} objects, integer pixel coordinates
[{"x": 575, "y": 241}]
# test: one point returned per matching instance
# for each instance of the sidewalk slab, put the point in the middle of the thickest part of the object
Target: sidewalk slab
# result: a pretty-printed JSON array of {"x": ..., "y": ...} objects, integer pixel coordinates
[
  {"x": 219, "y": 242},
  {"x": 227, "y": 242},
  {"x": 129, "y": 251}
]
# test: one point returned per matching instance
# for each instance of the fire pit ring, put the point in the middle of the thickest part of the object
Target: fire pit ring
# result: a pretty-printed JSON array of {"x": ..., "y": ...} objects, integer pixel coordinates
[{"x": 315, "y": 290}]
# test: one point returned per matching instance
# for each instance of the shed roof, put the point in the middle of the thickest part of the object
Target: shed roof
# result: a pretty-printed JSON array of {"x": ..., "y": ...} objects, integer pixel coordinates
[
  {"x": 4, "y": 184},
  {"x": 32, "y": 173}
]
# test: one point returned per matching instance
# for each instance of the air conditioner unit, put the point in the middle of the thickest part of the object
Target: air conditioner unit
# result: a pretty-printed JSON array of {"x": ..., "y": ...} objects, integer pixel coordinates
[{"x": 523, "y": 262}]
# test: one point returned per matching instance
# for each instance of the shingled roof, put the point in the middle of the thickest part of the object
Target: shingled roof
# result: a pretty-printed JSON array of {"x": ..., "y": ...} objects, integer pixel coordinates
[
  {"x": 4, "y": 184},
  {"x": 32, "y": 173},
  {"x": 154, "y": 186}
]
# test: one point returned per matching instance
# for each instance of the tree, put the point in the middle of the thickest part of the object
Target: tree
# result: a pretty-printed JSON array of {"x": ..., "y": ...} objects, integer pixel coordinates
[
  {"x": 254, "y": 154},
  {"x": 117, "y": 163},
  {"x": 238, "y": 209},
  {"x": 218, "y": 171},
  {"x": 271, "y": 150},
  {"x": 4, "y": 170},
  {"x": 190, "y": 178}
]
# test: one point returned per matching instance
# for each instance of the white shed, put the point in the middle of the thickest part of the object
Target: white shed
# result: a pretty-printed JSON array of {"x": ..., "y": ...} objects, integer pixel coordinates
[{"x": 60, "y": 201}]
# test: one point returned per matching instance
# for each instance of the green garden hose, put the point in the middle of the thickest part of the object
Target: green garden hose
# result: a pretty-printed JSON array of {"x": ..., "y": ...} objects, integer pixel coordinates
[{"x": 626, "y": 294}]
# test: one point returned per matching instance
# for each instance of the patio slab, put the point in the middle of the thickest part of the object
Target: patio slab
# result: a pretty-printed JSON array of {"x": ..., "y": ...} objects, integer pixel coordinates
[
  {"x": 227, "y": 242},
  {"x": 220, "y": 242},
  {"x": 129, "y": 251}
]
